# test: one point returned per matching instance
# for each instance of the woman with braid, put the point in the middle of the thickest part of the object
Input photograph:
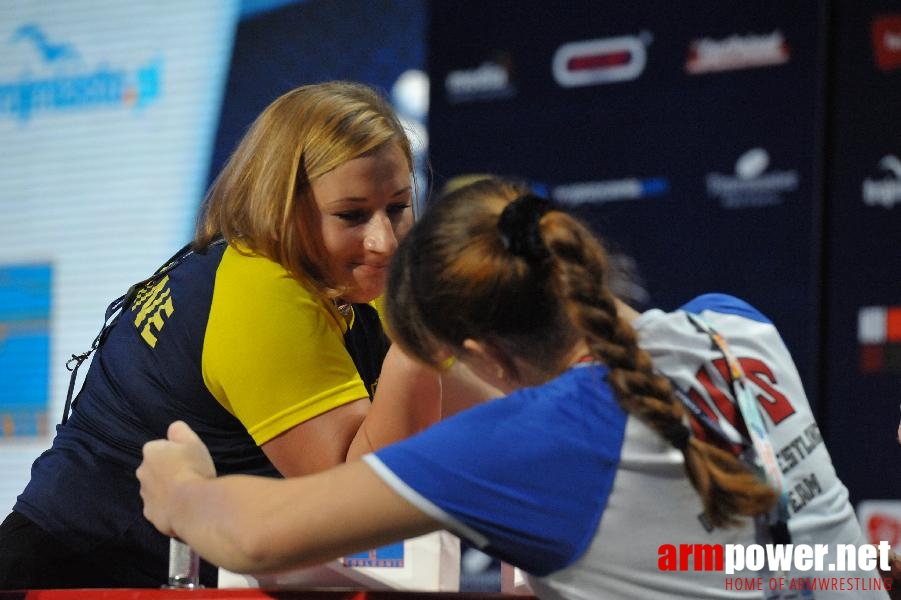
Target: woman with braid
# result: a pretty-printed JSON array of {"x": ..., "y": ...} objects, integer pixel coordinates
[{"x": 588, "y": 473}]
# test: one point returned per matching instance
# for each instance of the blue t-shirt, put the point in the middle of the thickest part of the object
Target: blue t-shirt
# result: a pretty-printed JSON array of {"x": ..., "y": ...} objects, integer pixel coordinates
[
  {"x": 527, "y": 476},
  {"x": 559, "y": 481}
]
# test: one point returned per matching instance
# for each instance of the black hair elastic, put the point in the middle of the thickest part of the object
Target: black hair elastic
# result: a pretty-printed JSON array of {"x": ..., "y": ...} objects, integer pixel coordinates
[
  {"x": 678, "y": 435},
  {"x": 518, "y": 225}
]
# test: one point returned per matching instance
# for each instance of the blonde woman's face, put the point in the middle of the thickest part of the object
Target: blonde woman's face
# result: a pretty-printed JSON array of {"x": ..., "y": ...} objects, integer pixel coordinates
[{"x": 365, "y": 210}]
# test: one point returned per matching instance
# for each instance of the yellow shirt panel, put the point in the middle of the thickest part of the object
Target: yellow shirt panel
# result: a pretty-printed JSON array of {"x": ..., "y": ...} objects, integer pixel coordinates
[{"x": 273, "y": 352}]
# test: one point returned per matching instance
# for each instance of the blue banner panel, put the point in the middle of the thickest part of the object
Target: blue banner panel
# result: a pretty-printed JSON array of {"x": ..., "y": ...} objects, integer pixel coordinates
[
  {"x": 312, "y": 41},
  {"x": 24, "y": 349},
  {"x": 862, "y": 253},
  {"x": 686, "y": 133}
]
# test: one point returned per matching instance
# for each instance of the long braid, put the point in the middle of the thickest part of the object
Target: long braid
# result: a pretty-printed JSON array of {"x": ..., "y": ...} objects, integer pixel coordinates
[
  {"x": 492, "y": 262},
  {"x": 726, "y": 486}
]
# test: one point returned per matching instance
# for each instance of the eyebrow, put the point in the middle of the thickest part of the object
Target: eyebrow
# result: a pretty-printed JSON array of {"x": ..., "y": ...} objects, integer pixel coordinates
[{"x": 358, "y": 199}]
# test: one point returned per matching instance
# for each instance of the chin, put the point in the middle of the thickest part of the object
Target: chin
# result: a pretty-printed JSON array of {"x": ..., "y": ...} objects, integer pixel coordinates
[{"x": 361, "y": 295}]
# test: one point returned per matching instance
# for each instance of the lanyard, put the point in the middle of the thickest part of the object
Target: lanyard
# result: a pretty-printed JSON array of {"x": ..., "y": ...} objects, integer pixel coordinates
[
  {"x": 747, "y": 404},
  {"x": 773, "y": 526},
  {"x": 114, "y": 311},
  {"x": 760, "y": 451}
]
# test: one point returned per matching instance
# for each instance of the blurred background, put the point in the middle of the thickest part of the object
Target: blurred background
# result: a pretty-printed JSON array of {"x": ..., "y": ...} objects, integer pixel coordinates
[{"x": 752, "y": 148}]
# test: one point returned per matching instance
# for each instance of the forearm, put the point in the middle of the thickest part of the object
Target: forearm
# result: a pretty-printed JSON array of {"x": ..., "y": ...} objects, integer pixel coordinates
[
  {"x": 407, "y": 400},
  {"x": 412, "y": 396},
  {"x": 221, "y": 519},
  {"x": 257, "y": 525}
]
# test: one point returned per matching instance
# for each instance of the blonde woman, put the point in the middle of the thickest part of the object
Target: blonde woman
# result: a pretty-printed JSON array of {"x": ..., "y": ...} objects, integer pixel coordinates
[{"x": 261, "y": 335}]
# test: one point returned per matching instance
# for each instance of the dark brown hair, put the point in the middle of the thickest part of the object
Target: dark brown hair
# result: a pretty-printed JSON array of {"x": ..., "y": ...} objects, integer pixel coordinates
[{"x": 456, "y": 277}]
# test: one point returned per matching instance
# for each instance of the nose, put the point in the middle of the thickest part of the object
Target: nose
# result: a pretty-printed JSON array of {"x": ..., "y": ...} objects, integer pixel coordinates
[{"x": 380, "y": 236}]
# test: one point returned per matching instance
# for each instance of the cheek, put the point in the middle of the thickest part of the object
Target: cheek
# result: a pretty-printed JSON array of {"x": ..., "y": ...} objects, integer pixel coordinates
[
  {"x": 336, "y": 240},
  {"x": 403, "y": 228}
]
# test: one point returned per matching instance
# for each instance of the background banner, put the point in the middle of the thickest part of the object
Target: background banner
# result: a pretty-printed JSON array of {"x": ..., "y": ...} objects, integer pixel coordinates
[{"x": 746, "y": 148}]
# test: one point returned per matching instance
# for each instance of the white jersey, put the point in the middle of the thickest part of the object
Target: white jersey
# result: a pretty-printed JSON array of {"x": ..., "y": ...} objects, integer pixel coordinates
[{"x": 559, "y": 481}]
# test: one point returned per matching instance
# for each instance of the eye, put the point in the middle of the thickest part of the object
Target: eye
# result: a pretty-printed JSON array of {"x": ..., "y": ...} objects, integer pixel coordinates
[
  {"x": 352, "y": 216},
  {"x": 397, "y": 209}
]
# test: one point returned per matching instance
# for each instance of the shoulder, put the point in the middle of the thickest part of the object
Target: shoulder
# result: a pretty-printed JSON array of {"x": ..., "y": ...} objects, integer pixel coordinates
[
  {"x": 499, "y": 469},
  {"x": 556, "y": 412},
  {"x": 250, "y": 284},
  {"x": 724, "y": 304},
  {"x": 249, "y": 268}
]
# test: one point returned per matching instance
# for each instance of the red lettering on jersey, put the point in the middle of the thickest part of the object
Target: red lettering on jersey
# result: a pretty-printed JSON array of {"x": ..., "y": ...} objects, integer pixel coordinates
[
  {"x": 696, "y": 428},
  {"x": 758, "y": 373},
  {"x": 720, "y": 400},
  {"x": 774, "y": 402},
  {"x": 722, "y": 403}
]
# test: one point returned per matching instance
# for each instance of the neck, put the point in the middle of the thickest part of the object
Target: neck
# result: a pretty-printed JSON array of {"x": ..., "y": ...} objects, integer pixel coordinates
[
  {"x": 578, "y": 353},
  {"x": 530, "y": 376}
]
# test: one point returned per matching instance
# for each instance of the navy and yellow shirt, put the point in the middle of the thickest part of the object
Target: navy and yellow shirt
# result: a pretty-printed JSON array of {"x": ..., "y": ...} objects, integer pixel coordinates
[{"x": 226, "y": 341}]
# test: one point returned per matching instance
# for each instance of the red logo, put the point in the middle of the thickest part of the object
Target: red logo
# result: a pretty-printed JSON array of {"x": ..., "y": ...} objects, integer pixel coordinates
[
  {"x": 879, "y": 336},
  {"x": 887, "y": 41},
  {"x": 884, "y": 527},
  {"x": 599, "y": 61}
]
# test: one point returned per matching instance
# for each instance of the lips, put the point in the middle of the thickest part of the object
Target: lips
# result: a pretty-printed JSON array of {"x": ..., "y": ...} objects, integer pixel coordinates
[{"x": 370, "y": 268}]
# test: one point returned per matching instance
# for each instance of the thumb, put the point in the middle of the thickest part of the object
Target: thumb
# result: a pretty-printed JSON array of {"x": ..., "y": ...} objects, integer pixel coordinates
[{"x": 179, "y": 431}]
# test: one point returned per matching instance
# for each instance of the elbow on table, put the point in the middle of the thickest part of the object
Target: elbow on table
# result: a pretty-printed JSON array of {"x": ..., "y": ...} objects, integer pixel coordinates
[{"x": 248, "y": 552}]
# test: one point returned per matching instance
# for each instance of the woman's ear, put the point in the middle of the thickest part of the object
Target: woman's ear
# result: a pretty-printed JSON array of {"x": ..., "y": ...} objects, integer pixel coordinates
[
  {"x": 490, "y": 363},
  {"x": 475, "y": 349}
]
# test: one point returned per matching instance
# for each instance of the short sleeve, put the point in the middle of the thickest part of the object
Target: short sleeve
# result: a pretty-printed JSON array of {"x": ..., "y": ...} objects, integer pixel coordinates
[
  {"x": 530, "y": 474},
  {"x": 725, "y": 304},
  {"x": 273, "y": 353}
]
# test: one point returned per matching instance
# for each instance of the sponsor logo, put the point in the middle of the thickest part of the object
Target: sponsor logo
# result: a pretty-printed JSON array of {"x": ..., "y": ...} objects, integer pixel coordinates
[
  {"x": 768, "y": 565},
  {"x": 887, "y": 190},
  {"x": 749, "y": 51},
  {"x": 599, "y": 192},
  {"x": 886, "y": 32},
  {"x": 884, "y": 525},
  {"x": 599, "y": 61},
  {"x": 491, "y": 80},
  {"x": 881, "y": 520},
  {"x": 391, "y": 555},
  {"x": 879, "y": 337},
  {"x": 64, "y": 83},
  {"x": 751, "y": 185}
]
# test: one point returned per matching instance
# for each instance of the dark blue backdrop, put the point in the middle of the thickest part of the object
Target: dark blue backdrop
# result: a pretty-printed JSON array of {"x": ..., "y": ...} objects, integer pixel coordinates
[
  {"x": 861, "y": 293},
  {"x": 722, "y": 145},
  {"x": 372, "y": 41}
]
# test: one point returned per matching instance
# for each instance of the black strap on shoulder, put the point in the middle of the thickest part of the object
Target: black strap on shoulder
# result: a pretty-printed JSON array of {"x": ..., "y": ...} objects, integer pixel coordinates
[
  {"x": 114, "y": 311},
  {"x": 367, "y": 345}
]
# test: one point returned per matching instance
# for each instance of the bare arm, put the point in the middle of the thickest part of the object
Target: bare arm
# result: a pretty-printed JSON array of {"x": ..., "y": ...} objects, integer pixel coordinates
[
  {"x": 407, "y": 400},
  {"x": 319, "y": 443},
  {"x": 411, "y": 396},
  {"x": 254, "y": 524}
]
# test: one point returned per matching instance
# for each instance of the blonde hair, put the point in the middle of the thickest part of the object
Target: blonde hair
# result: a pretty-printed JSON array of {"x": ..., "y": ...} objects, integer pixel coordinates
[{"x": 262, "y": 198}]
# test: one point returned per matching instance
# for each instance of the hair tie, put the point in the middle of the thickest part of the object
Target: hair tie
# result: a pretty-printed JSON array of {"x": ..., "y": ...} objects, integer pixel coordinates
[
  {"x": 518, "y": 225},
  {"x": 678, "y": 435}
]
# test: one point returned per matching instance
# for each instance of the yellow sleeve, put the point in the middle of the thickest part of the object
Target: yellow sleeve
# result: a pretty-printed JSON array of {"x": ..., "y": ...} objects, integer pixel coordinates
[{"x": 273, "y": 353}]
